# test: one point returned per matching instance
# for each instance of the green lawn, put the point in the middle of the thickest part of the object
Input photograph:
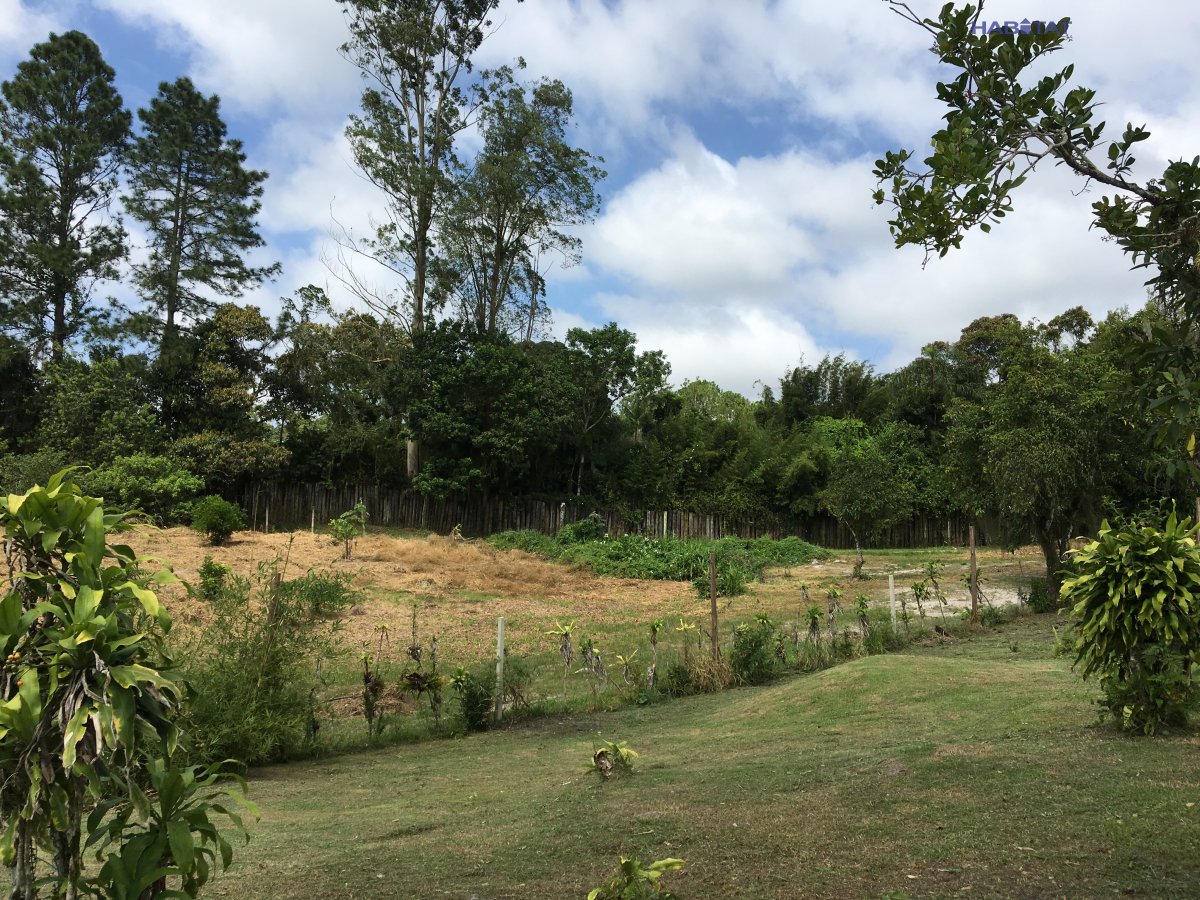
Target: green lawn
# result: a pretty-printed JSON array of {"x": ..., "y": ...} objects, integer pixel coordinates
[{"x": 971, "y": 768}]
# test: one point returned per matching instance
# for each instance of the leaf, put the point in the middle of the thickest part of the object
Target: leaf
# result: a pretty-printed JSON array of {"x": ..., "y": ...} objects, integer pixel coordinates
[
  {"x": 123, "y": 714},
  {"x": 87, "y": 601},
  {"x": 140, "y": 803},
  {"x": 60, "y": 815},
  {"x": 148, "y": 599},
  {"x": 94, "y": 536},
  {"x": 73, "y": 734},
  {"x": 182, "y": 847}
]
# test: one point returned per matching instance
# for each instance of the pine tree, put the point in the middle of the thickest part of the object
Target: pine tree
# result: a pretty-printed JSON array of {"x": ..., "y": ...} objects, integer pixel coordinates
[
  {"x": 63, "y": 132},
  {"x": 189, "y": 186}
]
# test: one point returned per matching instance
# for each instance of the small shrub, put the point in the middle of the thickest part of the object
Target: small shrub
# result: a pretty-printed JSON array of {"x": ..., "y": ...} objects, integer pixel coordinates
[
  {"x": 731, "y": 579},
  {"x": 754, "y": 658},
  {"x": 1040, "y": 600},
  {"x": 349, "y": 526},
  {"x": 321, "y": 595},
  {"x": 637, "y": 881},
  {"x": 476, "y": 690},
  {"x": 217, "y": 519},
  {"x": 1131, "y": 594},
  {"x": 527, "y": 541},
  {"x": 995, "y": 616},
  {"x": 591, "y": 528},
  {"x": 213, "y": 576},
  {"x": 252, "y": 668},
  {"x": 678, "y": 680}
]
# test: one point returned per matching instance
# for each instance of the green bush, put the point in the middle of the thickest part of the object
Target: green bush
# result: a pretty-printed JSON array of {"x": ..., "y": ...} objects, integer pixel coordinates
[
  {"x": 21, "y": 471},
  {"x": 213, "y": 576},
  {"x": 669, "y": 559},
  {"x": 994, "y": 616},
  {"x": 476, "y": 689},
  {"x": 1132, "y": 595},
  {"x": 217, "y": 519},
  {"x": 755, "y": 657},
  {"x": 527, "y": 541},
  {"x": 251, "y": 668},
  {"x": 677, "y": 682},
  {"x": 155, "y": 485},
  {"x": 591, "y": 528},
  {"x": 320, "y": 595},
  {"x": 1040, "y": 600}
]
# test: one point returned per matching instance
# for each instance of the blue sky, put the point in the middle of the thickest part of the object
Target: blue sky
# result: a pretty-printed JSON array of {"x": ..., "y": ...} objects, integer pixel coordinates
[{"x": 737, "y": 232}]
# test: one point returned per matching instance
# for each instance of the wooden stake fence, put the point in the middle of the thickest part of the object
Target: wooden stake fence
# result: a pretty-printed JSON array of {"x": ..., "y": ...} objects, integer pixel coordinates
[{"x": 292, "y": 506}]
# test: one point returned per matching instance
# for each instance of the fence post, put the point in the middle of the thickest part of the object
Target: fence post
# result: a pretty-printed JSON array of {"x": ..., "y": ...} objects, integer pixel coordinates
[
  {"x": 974, "y": 581},
  {"x": 712, "y": 601},
  {"x": 498, "y": 712},
  {"x": 313, "y": 527},
  {"x": 892, "y": 598},
  {"x": 267, "y": 526}
]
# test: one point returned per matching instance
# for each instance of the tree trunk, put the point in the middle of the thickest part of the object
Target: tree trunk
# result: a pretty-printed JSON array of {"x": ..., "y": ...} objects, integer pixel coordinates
[
  {"x": 23, "y": 872},
  {"x": 1053, "y": 548},
  {"x": 413, "y": 460},
  {"x": 858, "y": 566},
  {"x": 67, "y": 854}
]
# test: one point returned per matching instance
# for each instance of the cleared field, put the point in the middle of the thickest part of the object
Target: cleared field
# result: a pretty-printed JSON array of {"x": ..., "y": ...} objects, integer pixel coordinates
[
  {"x": 460, "y": 588},
  {"x": 969, "y": 768}
]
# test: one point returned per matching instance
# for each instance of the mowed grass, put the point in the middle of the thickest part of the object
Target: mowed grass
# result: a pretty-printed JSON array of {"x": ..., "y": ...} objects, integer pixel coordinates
[{"x": 972, "y": 767}]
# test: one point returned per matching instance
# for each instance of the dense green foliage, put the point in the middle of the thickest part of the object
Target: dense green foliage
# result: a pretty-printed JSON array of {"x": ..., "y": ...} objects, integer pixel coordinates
[
  {"x": 758, "y": 651},
  {"x": 1133, "y": 595},
  {"x": 1049, "y": 438},
  {"x": 251, "y": 669},
  {"x": 217, "y": 519},
  {"x": 154, "y": 485},
  {"x": 89, "y": 713},
  {"x": 668, "y": 559}
]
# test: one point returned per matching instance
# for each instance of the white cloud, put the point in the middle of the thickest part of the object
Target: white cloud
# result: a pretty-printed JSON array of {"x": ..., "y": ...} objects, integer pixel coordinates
[
  {"x": 739, "y": 347},
  {"x": 704, "y": 228},
  {"x": 794, "y": 241},
  {"x": 21, "y": 27},
  {"x": 634, "y": 62},
  {"x": 258, "y": 56}
]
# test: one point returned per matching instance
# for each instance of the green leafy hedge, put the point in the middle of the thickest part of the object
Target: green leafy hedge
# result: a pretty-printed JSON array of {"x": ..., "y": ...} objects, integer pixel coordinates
[{"x": 669, "y": 559}]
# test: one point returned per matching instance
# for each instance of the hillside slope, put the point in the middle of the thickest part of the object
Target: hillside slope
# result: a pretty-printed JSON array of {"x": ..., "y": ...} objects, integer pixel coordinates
[{"x": 972, "y": 768}]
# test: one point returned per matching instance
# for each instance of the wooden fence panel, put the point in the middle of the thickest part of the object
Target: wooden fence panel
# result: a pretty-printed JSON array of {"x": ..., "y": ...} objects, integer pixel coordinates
[{"x": 298, "y": 506}]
